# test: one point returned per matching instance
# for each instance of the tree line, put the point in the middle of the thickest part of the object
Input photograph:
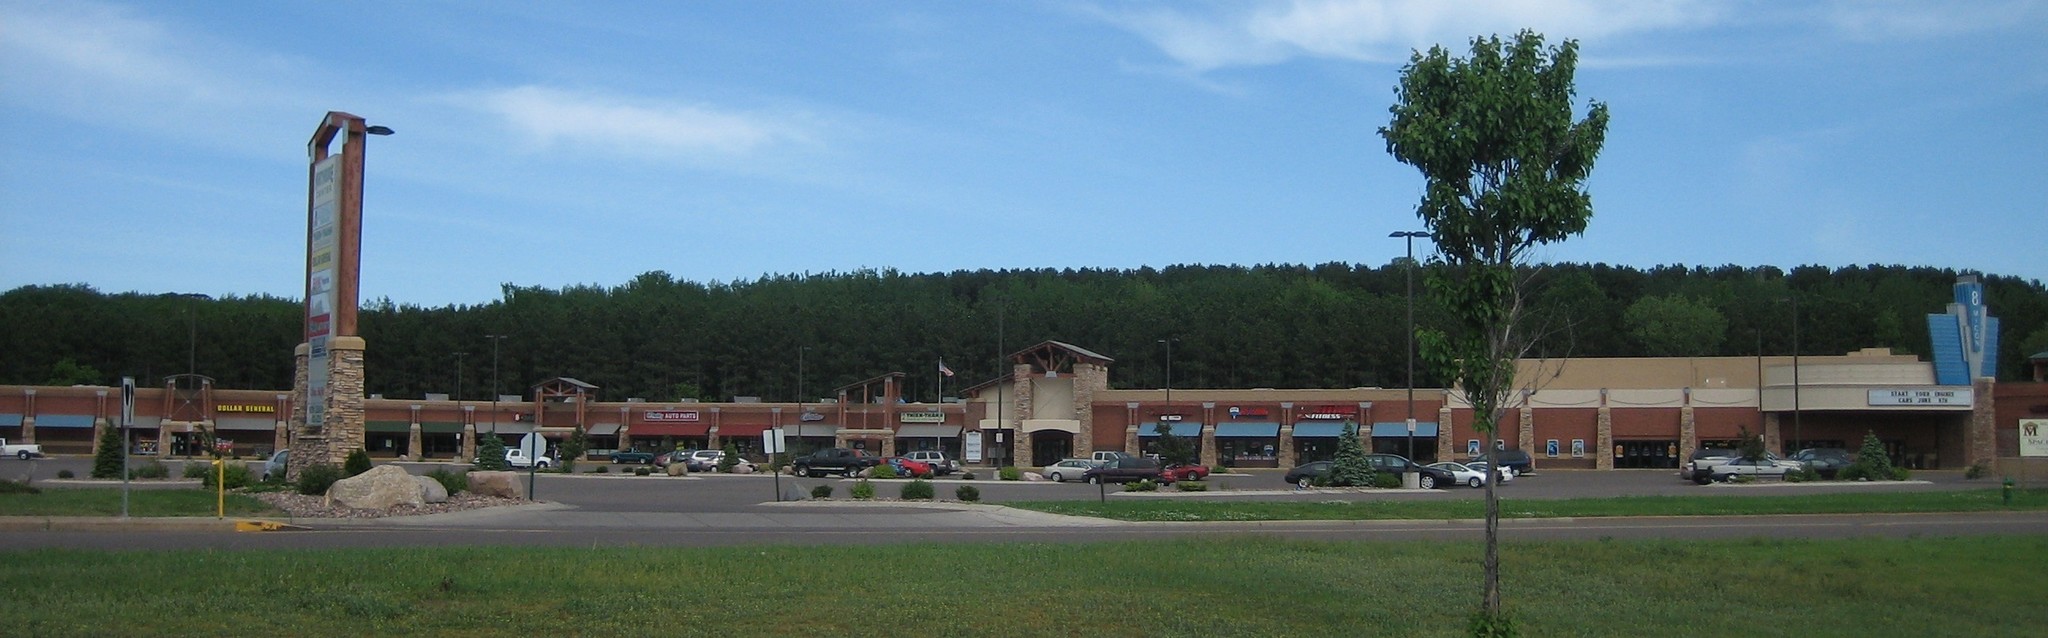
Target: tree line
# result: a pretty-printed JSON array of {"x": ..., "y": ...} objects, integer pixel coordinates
[{"x": 1281, "y": 326}]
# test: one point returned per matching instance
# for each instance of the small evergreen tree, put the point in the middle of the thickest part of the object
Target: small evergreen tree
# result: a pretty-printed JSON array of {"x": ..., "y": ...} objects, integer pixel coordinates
[
  {"x": 573, "y": 449},
  {"x": 1173, "y": 450},
  {"x": 1350, "y": 468},
  {"x": 106, "y": 461},
  {"x": 490, "y": 453},
  {"x": 358, "y": 462},
  {"x": 1872, "y": 461},
  {"x": 1752, "y": 448},
  {"x": 731, "y": 458}
]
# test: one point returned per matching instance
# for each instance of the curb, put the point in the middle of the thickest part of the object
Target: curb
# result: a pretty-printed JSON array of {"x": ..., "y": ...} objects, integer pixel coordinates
[{"x": 138, "y": 524}]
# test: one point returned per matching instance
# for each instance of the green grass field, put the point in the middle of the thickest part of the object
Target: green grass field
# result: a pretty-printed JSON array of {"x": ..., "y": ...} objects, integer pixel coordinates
[
  {"x": 1226, "y": 586},
  {"x": 107, "y": 502},
  {"x": 1190, "y": 509}
]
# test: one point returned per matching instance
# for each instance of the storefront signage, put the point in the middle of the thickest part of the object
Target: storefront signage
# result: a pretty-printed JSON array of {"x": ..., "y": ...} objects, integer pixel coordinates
[
  {"x": 974, "y": 447},
  {"x": 246, "y": 409},
  {"x": 1169, "y": 417},
  {"x": 2033, "y": 437},
  {"x": 1330, "y": 412},
  {"x": 1958, "y": 396},
  {"x": 808, "y": 417},
  {"x": 924, "y": 417},
  {"x": 669, "y": 416},
  {"x": 1244, "y": 412}
]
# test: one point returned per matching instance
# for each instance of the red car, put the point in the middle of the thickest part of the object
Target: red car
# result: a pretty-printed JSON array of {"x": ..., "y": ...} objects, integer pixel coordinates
[
  {"x": 1184, "y": 473},
  {"x": 907, "y": 467}
]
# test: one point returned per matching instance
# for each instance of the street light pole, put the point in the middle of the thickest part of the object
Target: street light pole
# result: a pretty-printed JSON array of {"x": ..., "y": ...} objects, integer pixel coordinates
[
  {"x": 1795, "y": 371},
  {"x": 494, "y": 381},
  {"x": 1169, "y": 380},
  {"x": 1408, "y": 269}
]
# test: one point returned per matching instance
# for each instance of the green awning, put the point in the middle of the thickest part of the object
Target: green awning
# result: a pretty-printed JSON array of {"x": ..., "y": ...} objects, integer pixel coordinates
[{"x": 387, "y": 426}]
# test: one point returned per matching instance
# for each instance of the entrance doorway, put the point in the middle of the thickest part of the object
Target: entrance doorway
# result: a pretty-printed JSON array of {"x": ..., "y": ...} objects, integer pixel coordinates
[
  {"x": 1049, "y": 446},
  {"x": 1646, "y": 454}
]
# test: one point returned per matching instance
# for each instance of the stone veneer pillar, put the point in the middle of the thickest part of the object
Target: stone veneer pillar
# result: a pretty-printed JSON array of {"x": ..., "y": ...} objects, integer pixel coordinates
[
  {"x": 1209, "y": 445},
  {"x": 1287, "y": 446},
  {"x": 1526, "y": 437},
  {"x": 1771, "y": 433},
  {"x": 1088, "y": 379},
  {"x": 1603, "y": 437},
  {"x": 1446, "y": 440},
  {"x": 1980, "y": 438},
  {"x": 1688, "y": 433},
  {"x": 1020, "y": 443},
  {"x": 468, "y": 441},
  {"x": 343, "y": 431},
  {"x": 412, "y": 443}
]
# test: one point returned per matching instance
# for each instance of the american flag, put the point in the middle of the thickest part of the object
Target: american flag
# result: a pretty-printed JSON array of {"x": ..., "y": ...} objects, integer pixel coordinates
[{"x": 943, "y": 369}]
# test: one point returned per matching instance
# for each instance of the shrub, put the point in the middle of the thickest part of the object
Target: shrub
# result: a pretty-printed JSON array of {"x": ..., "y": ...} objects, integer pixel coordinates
[
  {"x": 918, "y": 490},
  {"x": 1483, "y": 625},
  {"x": 450, "y": 480},
  {"x": 1191, "y": 486},
  {"x": 863, "y": 490},
  {"x": 601, "y": 469},
  {"x": 1349, "y": 468},
  {"x": 967, "y": 493},
  {"x": 17, "y": 487},
  {"x": 1977, "y": 470},
  {"x": 1900, "y": 474},
  {"x": 642, "y": 471},
  {"x": 358, "y": 462},
  {"x": 883, "y": 471},
  {"x": 490, "y": 452},
  {"x": 731, "y": 458},
  {"x": 968, "y": 476},
  {"x": 235, "y": 474},
  {"x": 1802, "y": 475},
  {"x": 65, "y": 474},
  {"x": 1142, "y": 485},
  {"x": 1386, "y": 480},
  {"x": 822, "y": 491},
  {"x": 316, "y": 478},
  {"x": 1872, "y": 463},
  {"x": 106, "y": 459},
  {"x": 1010, "y": 474},
  {"x": 154, "y": 469},
  {"x": 198, "y": 470}
]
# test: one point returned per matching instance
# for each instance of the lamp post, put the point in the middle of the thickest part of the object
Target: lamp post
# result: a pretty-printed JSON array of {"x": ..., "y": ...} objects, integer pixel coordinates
[
  {"x": 494, "y": 381},
  {"x": 1795, "y": 370},
  {"x": 1169, "y": 378},
  {"x": 1408, "y": 269}
]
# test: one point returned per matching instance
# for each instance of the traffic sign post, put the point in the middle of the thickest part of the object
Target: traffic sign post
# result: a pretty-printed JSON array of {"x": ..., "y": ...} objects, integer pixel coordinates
[
  {"x": 127, "y": 421},
  {"x": 772, "y": 442}
]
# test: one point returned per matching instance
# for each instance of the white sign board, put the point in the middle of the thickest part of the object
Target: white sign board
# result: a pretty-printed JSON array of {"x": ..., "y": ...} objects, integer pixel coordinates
[
  {"x": 1917, "y": 396},
  {"x": 771, "y": 441},
  {"x": 974, "y": 446},
  {"x": 2033, "y": 437}
]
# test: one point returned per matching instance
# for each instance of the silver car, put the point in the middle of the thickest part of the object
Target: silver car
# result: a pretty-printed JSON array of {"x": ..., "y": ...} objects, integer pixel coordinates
[
  {"x": 1069, "y": 469},
  {"x": 275, "y": 467}
]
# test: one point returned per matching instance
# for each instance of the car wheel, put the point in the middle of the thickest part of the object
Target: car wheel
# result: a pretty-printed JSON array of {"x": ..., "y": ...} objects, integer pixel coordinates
[
  {"x": 1094, "y": 480},
  {"x": 24, "y": 455},
  {"x": 1428, "y": 482},
  {"x": 1057, "y": 478},
  {"x": 1303, "y": 483},
  {"x": 1474, "y": 482}
]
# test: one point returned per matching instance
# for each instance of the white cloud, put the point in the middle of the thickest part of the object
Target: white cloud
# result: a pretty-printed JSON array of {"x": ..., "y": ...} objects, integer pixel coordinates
[
  {"x": 1387, "y": 30},
  {"x": 552, "y": 117},
  {"x": 1896, "y": 19}
]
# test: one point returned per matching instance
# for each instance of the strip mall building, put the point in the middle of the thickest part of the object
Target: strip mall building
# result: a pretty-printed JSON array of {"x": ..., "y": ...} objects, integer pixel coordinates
[{"x": 1584, "y": 413}]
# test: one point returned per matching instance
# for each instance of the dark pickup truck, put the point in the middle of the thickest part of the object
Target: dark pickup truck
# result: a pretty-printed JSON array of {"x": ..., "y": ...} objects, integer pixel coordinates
[
  {"x": 836, "y": 460},
  {"x": 633, "y": 456},
  {"x": 1124, "y": 470}
]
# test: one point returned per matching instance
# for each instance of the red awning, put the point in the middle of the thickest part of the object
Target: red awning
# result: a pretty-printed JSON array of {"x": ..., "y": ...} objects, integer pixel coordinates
[{"x": 669, "y": 429}]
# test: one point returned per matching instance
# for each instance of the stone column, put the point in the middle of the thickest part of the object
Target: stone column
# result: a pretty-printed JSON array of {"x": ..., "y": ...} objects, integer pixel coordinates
[
  {"x": 1088, "y": 379},
  {"x": 1980, "y": 438},
  {"x": 1287, "y": 445},
  {"x": 1446, "y": 440},
  {"x": 1771, "y": 433},
  {"x": 412, "y": 443},
  {"x": 1688, "y": 433},
  {"x": 1603, "y": 453},
  {"x": 468, "y": 442},
  {"x": 1526, "y": 438},
  {"x": 1020, "y": 443},
  {"x": 1209, "y": 444},
  {"x": 1131, "y": 439}
]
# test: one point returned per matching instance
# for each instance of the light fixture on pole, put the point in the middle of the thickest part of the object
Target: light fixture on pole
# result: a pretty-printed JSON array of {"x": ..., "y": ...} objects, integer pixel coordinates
[
  {"x": 494, "y": 381},
  {"x": 1408, "y": 268}
]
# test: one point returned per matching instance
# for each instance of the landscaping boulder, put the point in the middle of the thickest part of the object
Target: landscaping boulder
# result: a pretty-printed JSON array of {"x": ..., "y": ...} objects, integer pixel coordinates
[
  {"x": 432, "y": 491},
  {"x": 381, "y": 488},
  {"x": 497, "y": 483},
  {"x": 743, "y": 468},
  {"x": 1033, "y": 476},
  {"x": 677, "y": 469}
]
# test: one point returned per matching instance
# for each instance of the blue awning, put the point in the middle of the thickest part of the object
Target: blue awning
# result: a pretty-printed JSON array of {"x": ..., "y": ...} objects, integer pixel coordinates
[
  {"x": 1400, "y": 430},
  {"x": 1264, "y": 430},
  {"x": 1179, "y": 429},
  {"x": 64, "y": 420},
  {"x": 1318, "y": 429},
  {"x": 10, "y": 420}
]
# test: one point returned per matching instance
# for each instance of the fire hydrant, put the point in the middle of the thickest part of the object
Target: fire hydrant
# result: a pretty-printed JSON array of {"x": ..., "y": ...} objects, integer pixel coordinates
[{"x": 2008, "y": 490}]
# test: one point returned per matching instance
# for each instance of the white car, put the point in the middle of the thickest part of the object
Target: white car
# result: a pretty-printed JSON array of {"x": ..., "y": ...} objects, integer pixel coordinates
[
  {"x": 1068, "y": 469},
  {"x": 1507, "y": 474},
  {"x": 1771, "y": 466},
  {"x": 940, "y": 464},
  {"x": 1463, "y": 473}
]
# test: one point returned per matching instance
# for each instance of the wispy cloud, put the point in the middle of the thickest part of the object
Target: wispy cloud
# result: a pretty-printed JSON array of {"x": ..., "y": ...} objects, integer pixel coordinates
[
  {"x": 1230, "y": 34},
  {"x": 552, "y": 117},
  {"x": 1893, "y": 20}
]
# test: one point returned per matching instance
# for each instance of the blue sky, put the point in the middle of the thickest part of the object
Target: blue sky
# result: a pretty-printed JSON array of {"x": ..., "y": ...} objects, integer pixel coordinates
[{"x": 160, "y": 146}]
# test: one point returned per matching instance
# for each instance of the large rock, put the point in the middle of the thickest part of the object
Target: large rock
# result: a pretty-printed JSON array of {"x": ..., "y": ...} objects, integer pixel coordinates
[
  {"x": 498, "y": 483},
  {"x": 677, "y": 469},
  {"x": 381, "y": 488},
  {"x": 432, "y": 491}
]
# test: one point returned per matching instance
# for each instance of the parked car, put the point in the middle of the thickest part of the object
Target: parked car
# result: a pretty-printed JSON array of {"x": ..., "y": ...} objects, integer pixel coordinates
[
  {"x": 1184, "y": 473},
  {"x": 703, "y": 460},
  {"x": 1461, "y": 473},
  {"x": 1506, "y": 475},
  {"x": 1431, "y": 478},
  {"x": 1104, "y": 456},
  {"x": 1123, "y": 470},
  {"x": 837, "y": 460},
  {"x": 1826, "y": 461},
  {"x": 1732, "y": 468},
  {"x": 633, "y": 456},
  {"x": 276, "y": 466},
  {"x": 1515, "y": 461},
  {"x": 1068, "y": 470},
  {"x": 673, "y": 456},
  {"x": 1698, "y": 467},
  {"x": 908, "y": 467},
  {"x": 1306, "y": 474},
  {"x": 941, "y": 464},
  {"x": 23, "y": 451}
]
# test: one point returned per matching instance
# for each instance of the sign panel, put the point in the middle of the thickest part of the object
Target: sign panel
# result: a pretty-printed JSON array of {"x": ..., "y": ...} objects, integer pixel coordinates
[
  {"x": 924, "y": 417},
  {"x": 670, "y": 416},
  {"x": 974, "y": 446},
  {"x": 127, "y": 402},
  {"x": 1329, "y": 412},
  {"x": 2033, "y": 437},
  {"x": 771, "y": 441},
  {"x": 245, "y": 408},
  {"x": 1929, "y": 396}
]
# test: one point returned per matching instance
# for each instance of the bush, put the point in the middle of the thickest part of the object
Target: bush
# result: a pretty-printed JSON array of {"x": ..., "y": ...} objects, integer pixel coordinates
[
  {"x": 1191, "y": 486},
  {"x": 863, "y": 490},
  {"x": 822, "y": 491},
  {"x": 235, "y": 474},
  {"x": 198, "y": 470},
  {"x": 1142, "y": 485},
  {"x": 450, "y": 480},
  {"x": 969, "y": 476},
  {"x": 490, "y": 452},
  {"x": 316, "y": 478},
  {"x": 1487, "y": 626},
  {"x": 1350, "y": 468},
  {"x": 106, "y": 457},
  {"x": 1386, "y": 480},
  {"x": 967, "y": 493},
  {"x": 1802, "y": 475},
  {"x": 1900, "y": 474},
  {"x": 1977, "y": 470},
  {"x": 358, "y": 462},
  {"x": 601, "y": 469},
  {"x": 65, "y": 474},
  {"x": 642, "y": 471},
  {"x": 1010, "y": 474},
  {"x": 918, "y": 490},
  {"x": 883, "y": 471},
  {"x": 17, "y": 487},
  {"x": 1872, "y": 463},
  {"x": 731, "y": 458},
  {"x": 154, "y": 469}
]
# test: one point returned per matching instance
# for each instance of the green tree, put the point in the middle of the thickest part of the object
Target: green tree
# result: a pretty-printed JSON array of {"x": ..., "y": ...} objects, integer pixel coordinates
[
  {"x": 1349, "y": 468},
  {"x": 1505, "y": 165},
  {"x": 357, "y": 462},
  {"x": 573, "y": 449},
  {"x": 730, "y": 459},
  {"x": 106, "y": 458},
  {"x": 1675, "y": 326},
  {"x": 1172, "y": 449},
  {"x": 1873, "y": 462},
  {"x": 69, "y": 372},
  {"x": 490, "y": 452},
  {"x": 1752, "y": 445}
]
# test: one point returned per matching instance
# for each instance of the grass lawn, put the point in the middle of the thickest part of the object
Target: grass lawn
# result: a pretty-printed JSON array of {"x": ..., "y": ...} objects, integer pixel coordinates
[
  {"x": 1194, "y": 509},
  {"x": 107, "y": 502},
  {"x": 1226, "y": 586}
]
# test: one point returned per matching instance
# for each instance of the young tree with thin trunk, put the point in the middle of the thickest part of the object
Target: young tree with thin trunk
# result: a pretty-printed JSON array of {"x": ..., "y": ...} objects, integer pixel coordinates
[{"x": 1505, "y": 165}]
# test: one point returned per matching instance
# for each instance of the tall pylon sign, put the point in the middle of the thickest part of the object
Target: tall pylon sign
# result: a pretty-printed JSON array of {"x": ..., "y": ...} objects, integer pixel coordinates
[{"x": 327, "y": 410}]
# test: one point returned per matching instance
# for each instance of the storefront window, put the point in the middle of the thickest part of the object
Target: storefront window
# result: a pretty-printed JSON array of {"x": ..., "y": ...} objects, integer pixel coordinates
[{"x": 1248, "y": 451}]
